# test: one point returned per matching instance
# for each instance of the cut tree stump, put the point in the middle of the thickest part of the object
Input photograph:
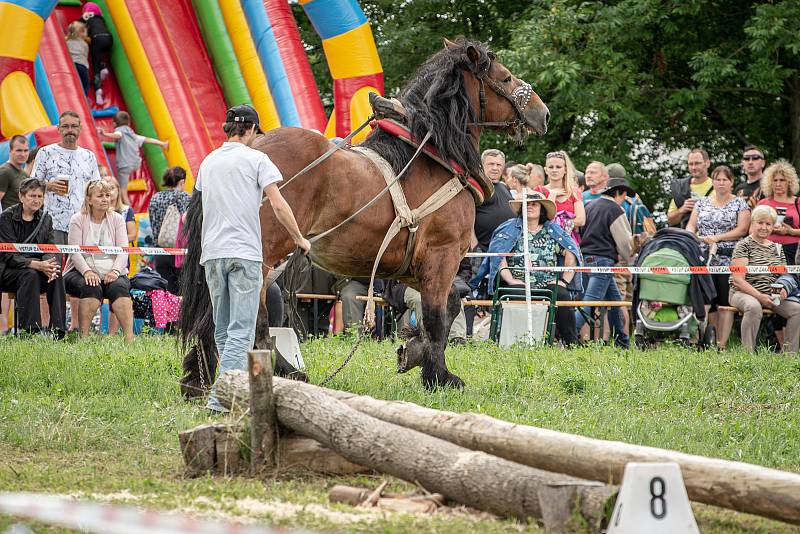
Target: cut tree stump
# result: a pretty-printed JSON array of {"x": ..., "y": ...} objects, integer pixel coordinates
[
  {"x": 263, "y": 423},
  {"x": 305, "y": 454},
  {"x": 212, "y": 448},
  {"x": 735, "y": 485}
]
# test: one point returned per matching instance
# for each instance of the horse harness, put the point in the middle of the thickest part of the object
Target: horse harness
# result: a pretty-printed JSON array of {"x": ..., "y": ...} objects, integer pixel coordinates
[{"x": 519, "y": 99}]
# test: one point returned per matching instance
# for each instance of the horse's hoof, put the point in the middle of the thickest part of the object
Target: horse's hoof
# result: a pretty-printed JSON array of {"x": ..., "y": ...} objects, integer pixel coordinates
[
  {"x": 407, "y": 358},
  {"x": 300, "y": 376},
  {"x": 448, "y": 379}
]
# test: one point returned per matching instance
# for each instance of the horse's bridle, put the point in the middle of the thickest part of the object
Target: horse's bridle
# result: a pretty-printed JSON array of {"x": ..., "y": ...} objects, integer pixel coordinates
[{"x": 519, "y": 98}]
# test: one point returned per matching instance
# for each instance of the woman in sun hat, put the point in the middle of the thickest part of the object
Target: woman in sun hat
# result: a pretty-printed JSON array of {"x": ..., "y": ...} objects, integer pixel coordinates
[{"x": 548, "y": 246}]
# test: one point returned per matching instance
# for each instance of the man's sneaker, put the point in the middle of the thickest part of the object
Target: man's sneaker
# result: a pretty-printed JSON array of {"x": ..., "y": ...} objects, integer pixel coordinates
[
  {"x": 103, "y": 74},
  {"x": 98, "y": 97}
]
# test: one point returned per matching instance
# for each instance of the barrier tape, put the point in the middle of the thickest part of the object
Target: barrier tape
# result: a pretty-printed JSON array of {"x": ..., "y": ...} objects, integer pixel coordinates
[
  {"x": 112, "y": 519},
  {"x": 72, "y": 249},
  {"x": 158, "y": 251}
]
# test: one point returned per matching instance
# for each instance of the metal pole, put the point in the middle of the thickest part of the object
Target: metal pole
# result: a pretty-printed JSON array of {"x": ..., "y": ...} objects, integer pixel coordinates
[{"x": 527, "y": 262}]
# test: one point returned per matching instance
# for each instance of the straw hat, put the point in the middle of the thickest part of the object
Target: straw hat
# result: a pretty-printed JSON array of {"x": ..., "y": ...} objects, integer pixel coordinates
[{"x": 535, "y": 196}]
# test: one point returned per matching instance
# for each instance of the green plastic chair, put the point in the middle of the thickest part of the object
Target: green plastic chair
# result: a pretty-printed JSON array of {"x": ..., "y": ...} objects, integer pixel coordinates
[{"x": 508, "y": 294}]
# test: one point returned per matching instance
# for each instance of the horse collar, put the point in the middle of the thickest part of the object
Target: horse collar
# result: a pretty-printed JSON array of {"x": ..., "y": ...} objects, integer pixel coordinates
[{"x": 401, "y": 131}]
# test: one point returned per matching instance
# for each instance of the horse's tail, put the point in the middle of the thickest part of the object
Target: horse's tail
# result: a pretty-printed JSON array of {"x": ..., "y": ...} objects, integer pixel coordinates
[{"x": 196, "y": 323}]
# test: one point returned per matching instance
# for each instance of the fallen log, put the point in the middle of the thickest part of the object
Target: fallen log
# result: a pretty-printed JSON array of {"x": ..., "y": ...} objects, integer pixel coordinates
[
  {"x": 735, "y": 485},
  {"x": 472, "y": 478}
]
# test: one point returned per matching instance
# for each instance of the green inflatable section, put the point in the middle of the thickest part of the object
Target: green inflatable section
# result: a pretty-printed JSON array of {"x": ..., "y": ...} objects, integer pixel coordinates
[
  {"x": 215, "y": 34},
  {"x": 155, "y": 157}
]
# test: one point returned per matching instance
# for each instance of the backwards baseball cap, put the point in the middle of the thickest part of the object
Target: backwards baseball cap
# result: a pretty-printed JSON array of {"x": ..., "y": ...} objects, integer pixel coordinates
[{"x": 243, "y": 113}]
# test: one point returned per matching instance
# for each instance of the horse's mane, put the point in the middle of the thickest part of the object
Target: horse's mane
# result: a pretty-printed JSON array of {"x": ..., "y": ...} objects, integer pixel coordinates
[{"x": 436, "y": 100}]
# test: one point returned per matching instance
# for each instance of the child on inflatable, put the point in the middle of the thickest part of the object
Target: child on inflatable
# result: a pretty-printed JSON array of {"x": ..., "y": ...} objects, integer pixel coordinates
[
  {"x": 100, "y": 46},
  {"x": 78, "y": 47}
]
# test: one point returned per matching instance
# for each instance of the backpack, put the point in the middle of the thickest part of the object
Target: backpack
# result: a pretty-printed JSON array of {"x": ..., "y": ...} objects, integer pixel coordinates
[{"x": 168, "y": 234}]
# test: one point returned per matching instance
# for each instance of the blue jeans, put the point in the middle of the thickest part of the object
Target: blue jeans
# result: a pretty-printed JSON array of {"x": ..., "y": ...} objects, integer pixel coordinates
[
  {"x": 603, "y": 287},
  {"x": 235, "y": 286}
]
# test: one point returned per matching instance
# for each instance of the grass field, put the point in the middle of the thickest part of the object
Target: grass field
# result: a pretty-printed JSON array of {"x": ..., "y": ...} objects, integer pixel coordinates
[{"x": 99, "y": 419}]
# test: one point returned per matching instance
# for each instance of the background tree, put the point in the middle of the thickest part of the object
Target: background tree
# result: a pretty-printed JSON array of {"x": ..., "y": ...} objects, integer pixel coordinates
[{"x": 633, "y": 81}]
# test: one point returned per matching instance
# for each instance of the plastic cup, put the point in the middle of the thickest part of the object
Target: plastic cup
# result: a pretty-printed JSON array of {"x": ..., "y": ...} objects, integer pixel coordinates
[{"x": 64, "y": 179}]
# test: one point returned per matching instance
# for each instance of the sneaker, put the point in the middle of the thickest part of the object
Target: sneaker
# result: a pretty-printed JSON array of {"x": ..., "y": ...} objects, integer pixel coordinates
[
  {"x": 103, "y": 74},
  {"x": 98, "y": 97}
]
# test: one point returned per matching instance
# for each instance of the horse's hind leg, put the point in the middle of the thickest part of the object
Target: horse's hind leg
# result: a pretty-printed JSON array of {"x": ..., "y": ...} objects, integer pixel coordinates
[{"x": 440, "y": 305}]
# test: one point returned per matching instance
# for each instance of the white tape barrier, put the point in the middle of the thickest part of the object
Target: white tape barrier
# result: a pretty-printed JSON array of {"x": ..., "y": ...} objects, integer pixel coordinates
[
  {"x": 112, "y": 519},
  {"x": 47, "y": 248}
]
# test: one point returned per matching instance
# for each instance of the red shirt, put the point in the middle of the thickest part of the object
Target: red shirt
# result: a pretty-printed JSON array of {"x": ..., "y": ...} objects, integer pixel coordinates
[
  {"x": 792, "y": 216},
  {"x": 567, "y": 205}
]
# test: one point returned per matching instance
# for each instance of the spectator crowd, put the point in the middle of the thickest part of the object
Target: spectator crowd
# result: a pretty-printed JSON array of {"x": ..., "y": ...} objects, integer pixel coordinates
[{"x": 59, "y": 194}]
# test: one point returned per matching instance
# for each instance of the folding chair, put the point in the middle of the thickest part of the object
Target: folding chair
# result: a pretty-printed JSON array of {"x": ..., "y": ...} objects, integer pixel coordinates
[{"x": 505, "y": 295}]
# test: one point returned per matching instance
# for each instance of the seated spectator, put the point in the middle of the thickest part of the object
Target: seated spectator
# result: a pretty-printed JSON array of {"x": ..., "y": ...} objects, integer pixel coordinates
[
  {"x": 31, "y": 274},
  {"x": 123, "y": 209},
  {"x": 549, "y": 246},
  {"x": 404, "y": 300},
  {"x": 752, "y": 293},
  {"x": 94, "y": 277},
  {"x": 348, "y": 290},
  {"x": 720, "y": 221},
  {"x": 562, "y": 189},
  {"x": 172, "y": 194},
  {"x": 779, "y": 187},
  {"x": 606, "y": 237}
]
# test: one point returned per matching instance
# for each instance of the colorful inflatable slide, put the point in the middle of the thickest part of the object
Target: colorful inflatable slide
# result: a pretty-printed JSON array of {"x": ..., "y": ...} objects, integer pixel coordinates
[{"x": 176, "y": 66}]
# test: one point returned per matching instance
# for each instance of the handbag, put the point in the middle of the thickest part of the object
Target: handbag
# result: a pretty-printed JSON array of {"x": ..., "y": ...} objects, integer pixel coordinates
[{"x": 168, "y": 234}]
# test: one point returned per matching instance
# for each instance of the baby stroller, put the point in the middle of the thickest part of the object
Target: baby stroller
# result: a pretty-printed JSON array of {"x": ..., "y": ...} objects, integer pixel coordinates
[{"x": 666, "y": 306}]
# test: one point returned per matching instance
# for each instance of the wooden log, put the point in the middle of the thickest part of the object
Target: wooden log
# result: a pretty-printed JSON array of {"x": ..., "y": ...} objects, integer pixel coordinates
[
  {"x": 306, "y": 454},
  {"x": 263, "y": 423},
  {"x": 472, "y": 478},
  {"x": 214, "y": 447},
  {"x": 735, "y": 485}
]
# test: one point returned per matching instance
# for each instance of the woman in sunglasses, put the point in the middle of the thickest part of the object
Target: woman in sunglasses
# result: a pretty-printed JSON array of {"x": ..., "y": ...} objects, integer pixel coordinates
[{"x": 780, "y": 188}]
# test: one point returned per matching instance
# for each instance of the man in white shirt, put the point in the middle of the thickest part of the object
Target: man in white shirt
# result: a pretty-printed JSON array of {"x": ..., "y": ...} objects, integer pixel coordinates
[
  {"x": 67, "y": 169},
  {"x": 231, "y": 180}
]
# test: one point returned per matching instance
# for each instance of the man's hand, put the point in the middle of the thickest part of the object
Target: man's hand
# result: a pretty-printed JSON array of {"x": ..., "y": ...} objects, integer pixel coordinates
[
  {"x": 110, "y": 277},
  {"x": 58, "y": 187},
  {"x": 304, "y": 245},
  {"x": 688, "y": 205},
  {"x": 91, "y": 278},
  {"x": 49, "y": 268}
]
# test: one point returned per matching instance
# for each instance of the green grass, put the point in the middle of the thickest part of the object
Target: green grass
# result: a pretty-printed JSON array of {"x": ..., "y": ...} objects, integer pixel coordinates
[{"x": 100, "y": 419}]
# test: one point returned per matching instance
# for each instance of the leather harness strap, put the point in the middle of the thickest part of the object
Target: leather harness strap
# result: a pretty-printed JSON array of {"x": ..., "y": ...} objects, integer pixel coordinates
[{"x": 405, "y": 218}]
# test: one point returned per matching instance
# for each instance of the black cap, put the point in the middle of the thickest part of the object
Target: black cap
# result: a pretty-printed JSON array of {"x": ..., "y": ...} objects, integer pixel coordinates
[
  {"x": 618, "y": 183},
  {"x": 243, "y": 113}
]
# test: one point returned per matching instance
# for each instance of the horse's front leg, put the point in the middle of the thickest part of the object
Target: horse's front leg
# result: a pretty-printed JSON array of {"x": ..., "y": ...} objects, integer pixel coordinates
[{"x": 440, "y": 305}]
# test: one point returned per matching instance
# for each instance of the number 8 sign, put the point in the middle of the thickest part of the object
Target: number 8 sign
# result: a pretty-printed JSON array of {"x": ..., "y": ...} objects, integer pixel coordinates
[{"x": 652, "y": 500}]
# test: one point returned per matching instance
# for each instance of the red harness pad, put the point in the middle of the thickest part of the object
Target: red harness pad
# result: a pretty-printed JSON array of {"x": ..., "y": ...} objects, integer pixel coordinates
[{"x": 401, "y": 131}]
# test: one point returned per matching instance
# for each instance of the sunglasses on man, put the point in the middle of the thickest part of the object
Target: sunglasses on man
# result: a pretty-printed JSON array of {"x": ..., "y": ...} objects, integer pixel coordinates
[{"x": 752, "y": 158}]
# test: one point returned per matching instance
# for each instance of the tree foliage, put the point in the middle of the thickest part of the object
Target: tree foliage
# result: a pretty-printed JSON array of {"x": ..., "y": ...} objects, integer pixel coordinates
[{"x": 632, "y": 81}]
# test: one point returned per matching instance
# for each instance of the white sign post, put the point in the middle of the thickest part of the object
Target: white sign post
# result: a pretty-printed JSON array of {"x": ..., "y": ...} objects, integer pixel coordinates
[
  {"x": 652, "y": 500},
  {"x": 527, "y": 262}
]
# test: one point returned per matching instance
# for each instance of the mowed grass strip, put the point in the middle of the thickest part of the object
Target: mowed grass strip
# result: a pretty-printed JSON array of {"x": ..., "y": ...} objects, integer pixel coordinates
[{"x": 99, "y": 419}]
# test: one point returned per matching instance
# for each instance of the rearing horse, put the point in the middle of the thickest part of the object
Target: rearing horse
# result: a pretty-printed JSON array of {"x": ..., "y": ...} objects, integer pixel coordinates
[{"x": 457, "y": 92}]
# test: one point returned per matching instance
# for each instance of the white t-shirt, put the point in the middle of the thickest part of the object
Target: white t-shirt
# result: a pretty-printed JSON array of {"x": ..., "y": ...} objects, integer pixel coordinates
[
  {"x": 81, "y": 167},
  {"x": 232, "y": 179}
]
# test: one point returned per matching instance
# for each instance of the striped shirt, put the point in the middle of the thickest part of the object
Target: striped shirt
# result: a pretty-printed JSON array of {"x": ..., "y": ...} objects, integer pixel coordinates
[{"x": 759, "y": 255}]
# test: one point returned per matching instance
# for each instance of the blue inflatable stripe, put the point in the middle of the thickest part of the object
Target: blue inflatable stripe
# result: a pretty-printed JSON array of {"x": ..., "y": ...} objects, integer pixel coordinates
[
  {"x": 43, "y": 8},
  {"x": 4, "y": 147},
  {"x": 44, "y": 90},
  {"x": 271, "y": 62},
  {"x": 331, "y": 18},
  {"x": 105, "y": 112}
]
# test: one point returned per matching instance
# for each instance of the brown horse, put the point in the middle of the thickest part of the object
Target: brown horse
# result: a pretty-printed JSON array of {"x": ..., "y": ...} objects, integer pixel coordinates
[{"x": 448, "y": 98}]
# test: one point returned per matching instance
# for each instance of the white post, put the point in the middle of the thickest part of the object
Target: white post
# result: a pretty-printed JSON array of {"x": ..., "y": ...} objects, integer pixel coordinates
[{"x": 527, "y": 262}]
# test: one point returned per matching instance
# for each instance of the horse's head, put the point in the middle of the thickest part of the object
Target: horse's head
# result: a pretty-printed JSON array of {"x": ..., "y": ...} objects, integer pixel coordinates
[{"x": 509, "y": 103}]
